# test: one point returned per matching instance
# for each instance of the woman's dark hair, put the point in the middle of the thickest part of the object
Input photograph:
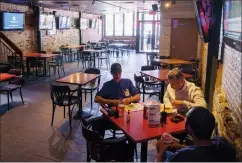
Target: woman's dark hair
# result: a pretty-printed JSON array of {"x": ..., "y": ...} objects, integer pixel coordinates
[{"x": 201, "y": 121}]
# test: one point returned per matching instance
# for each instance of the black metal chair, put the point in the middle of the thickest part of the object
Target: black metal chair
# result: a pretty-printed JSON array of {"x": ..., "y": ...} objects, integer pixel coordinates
[
  {"x": 100, "y": 149},
  {"x": 13, "y": 85},
  {"x": 93, "y": 85},
  {"x": 63, "y": 96},
  {"x": 145, "y": 88},
  {"x": 57, "y": 63},
  {"x": 87, "y": 58},
  {"x": 155, "y": 64}
]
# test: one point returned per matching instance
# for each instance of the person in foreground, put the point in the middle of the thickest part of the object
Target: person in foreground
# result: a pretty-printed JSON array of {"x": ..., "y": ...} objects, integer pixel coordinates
[
  {"x": 200, "y": 124},
  {"x": 181, "y": 94},
  {"x": 117, "y": 90}
]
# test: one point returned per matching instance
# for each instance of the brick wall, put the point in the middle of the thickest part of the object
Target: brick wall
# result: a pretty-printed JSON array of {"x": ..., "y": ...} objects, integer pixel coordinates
[
  {"x": 62, "y": 37},
  {"x": 227, "y": 102},
  {"x": 184, "y": 9},
  {"x": 25, "y": 40}
]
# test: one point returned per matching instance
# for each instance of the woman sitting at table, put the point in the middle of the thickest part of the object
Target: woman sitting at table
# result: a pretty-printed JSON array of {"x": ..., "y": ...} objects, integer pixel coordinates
[{"x": 181, "y": 94}]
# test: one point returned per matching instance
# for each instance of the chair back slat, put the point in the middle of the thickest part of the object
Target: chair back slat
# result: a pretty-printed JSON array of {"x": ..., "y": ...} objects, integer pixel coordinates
[
  {"x": 58, "y": 93},
  {"x": 147, "y": 68}
]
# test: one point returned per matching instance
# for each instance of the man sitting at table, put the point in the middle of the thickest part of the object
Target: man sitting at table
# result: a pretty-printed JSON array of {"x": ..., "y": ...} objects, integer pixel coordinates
[
  {"x": 200, "y": 124},
  {"x": 114, "y": 92},
  {"x": 181, "y": 94},
  {"x": 117, "y": 90}
]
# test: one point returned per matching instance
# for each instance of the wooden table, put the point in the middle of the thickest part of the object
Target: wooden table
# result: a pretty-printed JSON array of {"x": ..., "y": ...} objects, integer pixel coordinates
[
  {"x": 38, "y": 55},
  {"x": 6, "y": 76},
  {"x": 139, "y": 131},
  {"x": 161, "y": 75},
  {"x": 74, "y": 46},
  {"x": 79, "y": 79},
  {"x": 173, "y": 62},
  {"x": 91, "y": 51}
]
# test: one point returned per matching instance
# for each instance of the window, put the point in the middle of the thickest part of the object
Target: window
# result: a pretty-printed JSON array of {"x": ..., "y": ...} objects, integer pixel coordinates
[
  {"x": 109, "y": 25},
  {"x": 128, "y": 24},
  {"x": 119, "y": 25}
]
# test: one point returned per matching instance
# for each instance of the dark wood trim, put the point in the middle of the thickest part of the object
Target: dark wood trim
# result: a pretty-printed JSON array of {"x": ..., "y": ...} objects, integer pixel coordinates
[
  {"x": 38, "y": 32},
  {"x": 213, "y": 50}
]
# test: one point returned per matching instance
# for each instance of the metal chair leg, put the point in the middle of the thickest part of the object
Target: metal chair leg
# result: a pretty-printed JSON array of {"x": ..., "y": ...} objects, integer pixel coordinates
[
  {"x": 69, "y": 110},
  {"x": 8, "y": 101},
  {"x": 53, "y": 114},
  {"x": 64, "y": 111},
  {"x": 21, "y": 95}
]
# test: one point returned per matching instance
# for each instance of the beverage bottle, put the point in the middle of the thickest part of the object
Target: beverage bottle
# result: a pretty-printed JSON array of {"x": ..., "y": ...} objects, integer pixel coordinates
[{"x": 128, "y": 117}]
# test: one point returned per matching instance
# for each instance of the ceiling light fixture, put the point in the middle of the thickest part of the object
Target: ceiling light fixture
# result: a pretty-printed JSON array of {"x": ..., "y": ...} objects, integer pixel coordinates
[
  {"x": 167, "y": 4},
  {"x": 93, "y": 2}
]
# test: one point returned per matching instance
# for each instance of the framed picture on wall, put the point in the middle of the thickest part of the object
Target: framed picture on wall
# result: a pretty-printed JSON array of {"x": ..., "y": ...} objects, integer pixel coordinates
[{"x": 84, "y": 23}]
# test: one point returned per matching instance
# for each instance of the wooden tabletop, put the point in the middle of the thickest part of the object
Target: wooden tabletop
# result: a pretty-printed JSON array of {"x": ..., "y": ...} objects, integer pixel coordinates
[
  {"x": 78, "y": 78},
  {"x": 39, "y": 55},
  {"x": 6, "y": 76},
  {"x": 173, "y": 61},
  {"x": 139, "y": 130},
  {"x": 74, "y": 46},
  {"x": 92, "y": 51},
  {"x": 161, "y": 74}
]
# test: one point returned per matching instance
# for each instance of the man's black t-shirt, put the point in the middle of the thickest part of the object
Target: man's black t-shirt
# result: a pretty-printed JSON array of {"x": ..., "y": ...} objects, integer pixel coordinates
[{"x": 220, "y": 151}]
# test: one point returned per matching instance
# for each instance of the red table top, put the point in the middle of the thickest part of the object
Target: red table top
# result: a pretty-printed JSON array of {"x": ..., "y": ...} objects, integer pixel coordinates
[
  {"x": 139, "y": 130},
  {"x": 6, "y": 76},
  {"x": 78, "y": 78},
  {"x": 161, "y": 74},
  {"x": 39, "y": 55}
]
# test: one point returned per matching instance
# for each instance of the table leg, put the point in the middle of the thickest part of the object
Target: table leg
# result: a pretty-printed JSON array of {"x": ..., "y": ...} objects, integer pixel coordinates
[
  {"x": 82, "y": 113},
  {"x": 144, "y": 148},
  {"x": 162, "y": 90},
  {"x": 27, "y": 65},
  {"x": 45, "y": 71}
]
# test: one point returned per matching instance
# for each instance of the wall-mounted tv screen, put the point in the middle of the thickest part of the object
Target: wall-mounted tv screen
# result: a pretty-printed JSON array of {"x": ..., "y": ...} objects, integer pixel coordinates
[
  {"x": 232, "y": 20},
  {"x": 12, "y": 21},
  {"x": 64, "y": 22},
  {"x": 202, "y": 19},
  {"x": 84, "y": 23},
  {"x": 46, "y": 21}
]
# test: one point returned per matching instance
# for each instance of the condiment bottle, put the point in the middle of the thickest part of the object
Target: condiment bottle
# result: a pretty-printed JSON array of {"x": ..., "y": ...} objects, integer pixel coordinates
[{"x": 128, "y": 117}]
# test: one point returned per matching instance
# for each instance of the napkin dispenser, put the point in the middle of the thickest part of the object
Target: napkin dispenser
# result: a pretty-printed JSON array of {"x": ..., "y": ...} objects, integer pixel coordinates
[{"x": 154, "y": 114}]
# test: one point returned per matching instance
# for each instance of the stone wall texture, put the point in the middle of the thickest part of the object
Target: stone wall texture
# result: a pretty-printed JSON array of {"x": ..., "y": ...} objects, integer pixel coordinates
[
  {"x": 203, "y": 64},
  {"x": 25, "y": 40},
  {"x": 227, "y": 99},
  {"x": 62, "y": 37}
]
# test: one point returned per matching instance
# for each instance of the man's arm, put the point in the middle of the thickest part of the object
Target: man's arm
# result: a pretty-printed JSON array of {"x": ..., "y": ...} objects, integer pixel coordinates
[
  {"x": 198, "y": 99},
  {"x": 166, "y": 98},
  {"x": 102, "y": 101},
  {"x": 135, "y": 98}
]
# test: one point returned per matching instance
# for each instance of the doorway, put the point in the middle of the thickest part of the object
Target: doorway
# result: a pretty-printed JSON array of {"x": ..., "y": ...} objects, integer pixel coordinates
[
  {"x": 149, "y": 33},
  {"x": 184, "y": 39}
]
